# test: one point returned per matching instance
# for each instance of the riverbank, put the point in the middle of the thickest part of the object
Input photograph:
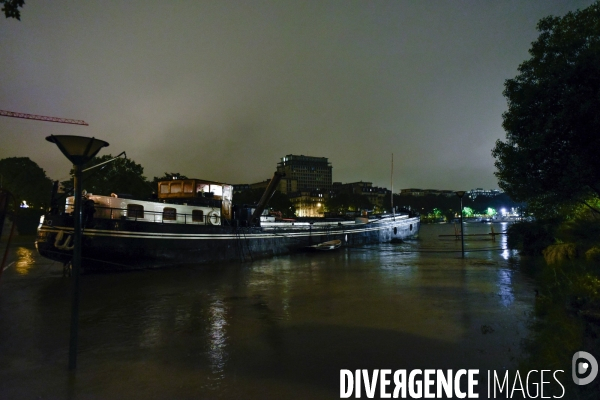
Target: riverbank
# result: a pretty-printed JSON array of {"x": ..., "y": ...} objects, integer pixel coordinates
[{"x": 563, "y": 261}]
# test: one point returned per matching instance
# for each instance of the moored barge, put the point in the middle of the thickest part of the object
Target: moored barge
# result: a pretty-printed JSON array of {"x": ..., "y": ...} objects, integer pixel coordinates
[{"x": 193, "y": 221}]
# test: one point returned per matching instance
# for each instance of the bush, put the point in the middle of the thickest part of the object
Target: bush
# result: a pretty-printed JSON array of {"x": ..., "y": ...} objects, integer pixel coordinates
[
  {"x": 593, "y": 254},
  {"x": 585, "y": 232},
  {"x": 560, "y": 252},
  {"x": 531, "y": 237}
]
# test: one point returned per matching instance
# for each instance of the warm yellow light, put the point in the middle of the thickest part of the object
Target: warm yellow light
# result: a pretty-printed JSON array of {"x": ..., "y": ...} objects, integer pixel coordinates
[{"x": 25, "y": 261}]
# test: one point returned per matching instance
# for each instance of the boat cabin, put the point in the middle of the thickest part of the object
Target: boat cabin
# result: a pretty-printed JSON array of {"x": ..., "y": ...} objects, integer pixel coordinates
[
  {"x": 182, "y": 201},
  {"x": 197, "y": 191}
]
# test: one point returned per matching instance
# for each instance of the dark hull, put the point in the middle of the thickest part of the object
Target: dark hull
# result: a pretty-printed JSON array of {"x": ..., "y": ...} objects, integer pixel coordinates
[{"x": 127, "y": 244}]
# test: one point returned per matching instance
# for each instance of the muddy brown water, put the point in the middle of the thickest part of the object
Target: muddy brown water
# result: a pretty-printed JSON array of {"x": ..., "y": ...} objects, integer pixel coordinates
[{"x": 280, "y": 328}]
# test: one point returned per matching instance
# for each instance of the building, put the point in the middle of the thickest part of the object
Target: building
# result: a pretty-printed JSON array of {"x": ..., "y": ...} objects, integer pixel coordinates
[
  {"x": 308, "y": 203},
  {"x": 447, "y": 193},
  {"x": 376, "y": 195},
  {"x": 240, "y": 188},
  {"x": 412, "y": 192},
  {"x": 314, "y": 173},
  {"x": 285, "y": 185},
  {"x": 427, "y": 192},
  {"x": 473, "y": 193}
]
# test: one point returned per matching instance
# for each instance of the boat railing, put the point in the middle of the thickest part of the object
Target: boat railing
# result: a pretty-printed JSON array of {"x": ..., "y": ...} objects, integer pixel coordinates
[{"x": 171, "y": 216}]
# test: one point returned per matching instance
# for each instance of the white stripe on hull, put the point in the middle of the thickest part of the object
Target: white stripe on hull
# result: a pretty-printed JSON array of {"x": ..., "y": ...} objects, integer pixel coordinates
[{"x": 210, "y": 236}]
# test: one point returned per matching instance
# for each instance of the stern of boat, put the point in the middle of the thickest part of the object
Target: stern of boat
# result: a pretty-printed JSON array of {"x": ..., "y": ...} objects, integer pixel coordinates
[{"x": 54, "y": 239}]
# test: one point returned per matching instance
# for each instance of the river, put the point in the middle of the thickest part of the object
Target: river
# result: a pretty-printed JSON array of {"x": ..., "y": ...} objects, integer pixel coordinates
[{"x": 280, "y": 328}]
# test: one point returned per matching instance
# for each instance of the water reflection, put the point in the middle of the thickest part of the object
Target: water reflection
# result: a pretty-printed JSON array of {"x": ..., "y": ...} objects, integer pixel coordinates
[
  {"x": 281, "y": 327},
  {"x": 505, "y": 287},
  {"x": 151, "y": 335},
  {"x": 182, "y": 317},
  {"x": 217, "y": 337},
  {"x": 151, "y": 323},
  {"x": 25, "y": 260}
]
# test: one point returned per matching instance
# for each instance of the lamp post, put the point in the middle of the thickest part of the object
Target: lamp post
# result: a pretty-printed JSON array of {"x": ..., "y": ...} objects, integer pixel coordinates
[
  {"x": 460, "y": 194},
  {"x": 78, "y": 150}
]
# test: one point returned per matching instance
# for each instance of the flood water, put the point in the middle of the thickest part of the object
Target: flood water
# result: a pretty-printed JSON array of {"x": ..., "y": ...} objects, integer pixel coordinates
[{"x": 280, "y": 328}]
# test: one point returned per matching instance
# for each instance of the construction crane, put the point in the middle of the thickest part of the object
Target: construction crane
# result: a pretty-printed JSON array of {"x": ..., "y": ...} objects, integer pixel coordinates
[{"x": 42, "y": 118}]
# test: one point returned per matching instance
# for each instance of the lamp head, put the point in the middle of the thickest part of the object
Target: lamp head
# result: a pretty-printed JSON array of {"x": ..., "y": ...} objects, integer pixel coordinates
[
  {"x": 78, "y": 149},
  {"x": 460, "y": 193}
]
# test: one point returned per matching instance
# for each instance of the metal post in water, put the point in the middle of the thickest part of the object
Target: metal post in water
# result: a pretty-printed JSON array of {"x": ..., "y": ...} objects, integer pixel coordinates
[
  {"x": 462, "y": 229},
  {"x": 460, "y": 194},
  {"x": 392, "y": 185}
]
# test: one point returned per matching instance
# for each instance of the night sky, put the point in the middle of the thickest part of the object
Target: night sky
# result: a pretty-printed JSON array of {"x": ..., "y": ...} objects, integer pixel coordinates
[{"x": 221, "y": 90}]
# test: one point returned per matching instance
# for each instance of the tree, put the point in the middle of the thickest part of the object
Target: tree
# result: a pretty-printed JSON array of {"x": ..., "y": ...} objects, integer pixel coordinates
[
  {"x": 280, "y": 202},
  {"x": 122, "y": 175},
  {"x": 468, "y": 212},
  {"x": 344, "y": 202},
  {"x": 26, "y": 181},
  {"x": 11, "y": 8},
  {"x": 550, "y": 156}
]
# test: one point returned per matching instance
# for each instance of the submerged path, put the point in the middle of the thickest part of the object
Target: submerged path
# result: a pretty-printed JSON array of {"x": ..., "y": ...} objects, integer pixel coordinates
[{"x": 278, "y": 328}]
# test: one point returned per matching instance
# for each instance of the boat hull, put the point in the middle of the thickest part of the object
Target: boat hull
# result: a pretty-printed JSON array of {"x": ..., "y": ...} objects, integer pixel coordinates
[{"x": 124, "y": 244}]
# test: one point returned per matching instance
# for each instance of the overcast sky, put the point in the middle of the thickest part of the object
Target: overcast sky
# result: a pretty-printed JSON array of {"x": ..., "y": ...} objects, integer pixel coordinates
[{"x": 221, "y": 90}]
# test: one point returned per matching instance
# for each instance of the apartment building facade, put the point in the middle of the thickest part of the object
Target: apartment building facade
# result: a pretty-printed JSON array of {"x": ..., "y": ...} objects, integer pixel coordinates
[{"x": 313, "y": 173}]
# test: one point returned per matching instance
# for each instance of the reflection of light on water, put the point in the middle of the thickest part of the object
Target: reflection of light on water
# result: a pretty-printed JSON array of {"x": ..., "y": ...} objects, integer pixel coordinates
[
  {"x": 217, "y": 337},
  {"x": 25, "y": 261},
  {"x": 505, "y": 287},
  {"x": 285, "y": 303},
  {"x": 504, "y": 241},
  {"x": 182, "y": 317},
  {"x": 151, "y": 335},
  {"x": 285, "y": 297},
  {"x": 151, "y": 317}
]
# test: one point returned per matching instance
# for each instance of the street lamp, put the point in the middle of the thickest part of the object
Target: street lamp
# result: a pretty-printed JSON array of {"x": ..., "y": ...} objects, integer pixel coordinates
[
  {"x": 78, "y": 150},
  {"x": 460, "y": 194}
]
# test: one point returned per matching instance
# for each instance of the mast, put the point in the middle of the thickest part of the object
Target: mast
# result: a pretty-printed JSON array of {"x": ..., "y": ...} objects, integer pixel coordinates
[{"x": 392, "y": 183}]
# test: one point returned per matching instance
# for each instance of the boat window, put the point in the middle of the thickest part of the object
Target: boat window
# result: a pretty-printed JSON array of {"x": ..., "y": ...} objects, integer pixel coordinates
[
  {"x": 201, "y": 187},
  {"x": 197, "y": 216},
  {"x": 169, "y": 214},
  {"x": 217, "y": 190},
  {"x": 164, "y": 188},
  {"x": 176, "y": 187},
  {"x": 187, "y": 186},
  {"x": 135, "y": 211}
]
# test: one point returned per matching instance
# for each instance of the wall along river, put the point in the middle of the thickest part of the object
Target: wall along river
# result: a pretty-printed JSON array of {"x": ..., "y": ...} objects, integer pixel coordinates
[{"x": 280, "y": 328}]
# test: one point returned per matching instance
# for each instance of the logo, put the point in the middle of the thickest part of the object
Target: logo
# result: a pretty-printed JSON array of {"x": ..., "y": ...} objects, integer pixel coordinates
[{"x": 581, "y": 368}]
